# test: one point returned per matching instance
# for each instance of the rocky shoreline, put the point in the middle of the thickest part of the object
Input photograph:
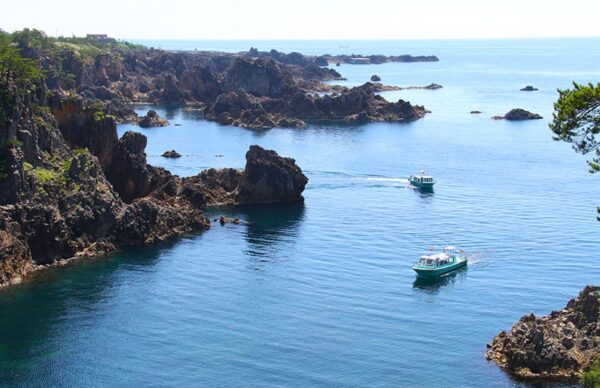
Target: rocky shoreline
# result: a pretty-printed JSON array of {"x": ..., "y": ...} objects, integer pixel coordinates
[
  {"x": 70, "y": 187},
  {"x": 561, "y": 345},
  {"x": 257, "y": 89}
]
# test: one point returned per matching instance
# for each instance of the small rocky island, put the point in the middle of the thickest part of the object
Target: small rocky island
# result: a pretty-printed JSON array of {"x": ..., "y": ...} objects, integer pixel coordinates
[
  {"x": 518, "y": 114},
  {"x": 152, "y": 119},
  {"x": 529, "y": 88},
  {"x": 557, "y": 346}
]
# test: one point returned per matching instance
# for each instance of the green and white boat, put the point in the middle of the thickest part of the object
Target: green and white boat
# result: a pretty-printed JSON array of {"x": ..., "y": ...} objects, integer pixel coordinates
[
  {"x": 438, "y": 264},
  {"x": 422, "y": 181}
]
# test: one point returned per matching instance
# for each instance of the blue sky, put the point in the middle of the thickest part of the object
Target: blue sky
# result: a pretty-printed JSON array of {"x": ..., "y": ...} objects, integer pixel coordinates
[{"x": 307, "y": 19}]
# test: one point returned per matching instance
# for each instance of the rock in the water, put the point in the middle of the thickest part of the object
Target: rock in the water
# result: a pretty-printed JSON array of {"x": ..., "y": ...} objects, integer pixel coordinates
[
  {"x": 152, "y": 119},
  {"x": 518, "y": 114},
  {"x": 560, "y": 345},
  {"x": 270, "y": 178},
  {"x": 433, "y": 86},
  {"x": 475, "y": 112},
  {"x": 227, "y": 220},
  {"x": 529, "y": 88},
  {"x": 171, "y": 154},
  {"x": 375, "y": 78}
]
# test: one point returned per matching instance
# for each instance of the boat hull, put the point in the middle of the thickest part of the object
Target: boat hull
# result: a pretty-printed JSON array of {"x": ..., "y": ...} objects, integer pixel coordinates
[
  {"x": 437, "y": 272},
  {"x": 422, "y": 185}
]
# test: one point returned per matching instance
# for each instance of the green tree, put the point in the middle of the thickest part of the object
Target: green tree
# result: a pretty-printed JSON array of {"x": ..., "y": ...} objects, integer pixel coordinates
[
  {"x": 576, "y": 120},
  {"x": 591, "y": 378},
  {"x": 14, "y": 68}
]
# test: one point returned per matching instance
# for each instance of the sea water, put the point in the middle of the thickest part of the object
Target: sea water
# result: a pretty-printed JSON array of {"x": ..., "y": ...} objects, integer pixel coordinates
[{"x": 322, "y": 293}]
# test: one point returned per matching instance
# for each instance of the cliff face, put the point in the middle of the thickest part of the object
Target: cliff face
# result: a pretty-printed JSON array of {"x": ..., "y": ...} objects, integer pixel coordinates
[
  {"x": 69, "y": 187},
  {"x": 559, "y": 346}
]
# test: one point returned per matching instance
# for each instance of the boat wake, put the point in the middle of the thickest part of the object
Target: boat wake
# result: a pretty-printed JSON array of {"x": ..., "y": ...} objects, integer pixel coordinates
[
  {"x": 477, "y": 258},
  {"x": 384, "y": 179}
]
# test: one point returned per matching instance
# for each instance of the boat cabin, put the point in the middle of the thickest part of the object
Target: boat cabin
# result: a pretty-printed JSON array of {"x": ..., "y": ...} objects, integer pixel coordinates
[
  {"x": 422, "y": 179},
  {"x": 437, "y": 260}
]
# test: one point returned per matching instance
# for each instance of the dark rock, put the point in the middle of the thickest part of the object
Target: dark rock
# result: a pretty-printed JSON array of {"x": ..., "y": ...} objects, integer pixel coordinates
[
  {"x": 171, "y": 154},
  {"x": 433, "y": 86},
  {"x": 258, "y": 77},
  {"x": 557, "y": 346},
  {"x": 270, "y": 178},
  {"x": 152, "y": 119},
  {"x": 529, "y": 88},
  {"x": 519, "y": 115},
  {"x": 226, "y": 220},
  {"x": 128, "y": 172},
  {"x": 475, "y": 112},
  {"x": 375, "y": 78}
]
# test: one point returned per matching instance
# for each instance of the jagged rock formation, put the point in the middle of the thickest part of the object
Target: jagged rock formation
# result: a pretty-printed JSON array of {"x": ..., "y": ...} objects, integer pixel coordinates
[
  {"x": 359, "y": 104},
  {"x": 152, "y": 119},
  {"x": 518, "y": 114},
  {"x": 560, "y": 345},
  {"x": 269, "y": 177},
  {"x": 258, "y": 87},
  {"x": 70, "y": 187}
]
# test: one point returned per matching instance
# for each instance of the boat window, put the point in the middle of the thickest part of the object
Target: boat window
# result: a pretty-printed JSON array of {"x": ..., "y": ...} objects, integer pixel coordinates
[{"x": 429, "y": 262}]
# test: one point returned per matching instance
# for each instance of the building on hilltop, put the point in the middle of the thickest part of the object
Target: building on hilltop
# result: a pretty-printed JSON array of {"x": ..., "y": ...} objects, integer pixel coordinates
[{"x": 98, "y": 37}]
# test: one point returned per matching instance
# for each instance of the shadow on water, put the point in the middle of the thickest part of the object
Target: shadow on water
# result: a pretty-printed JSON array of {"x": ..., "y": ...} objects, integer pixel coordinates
[
  {"x": 422, "y": 192},
  {"x": 433, "y": 286},
  {"x": 267, "y": 227},
  {"x": 42, "y": 308}
]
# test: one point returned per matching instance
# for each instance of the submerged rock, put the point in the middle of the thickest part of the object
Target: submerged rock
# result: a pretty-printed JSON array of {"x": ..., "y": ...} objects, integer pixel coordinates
[
  {"x": 475, "y": 112},
  {"x": 560, "y": 345},
  {"x": 152, "y": 119}
]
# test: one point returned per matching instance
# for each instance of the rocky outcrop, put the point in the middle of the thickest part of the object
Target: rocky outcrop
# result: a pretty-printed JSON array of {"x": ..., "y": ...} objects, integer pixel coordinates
[
  {"x": 359, "y": 104},
  {"x": 529, "y": 88},
  {"x": 557, "y": 346},
  {"x": 171, "y": 154},
  {"x": 259, "y": 77},
  {"x": 259, "y": 87},
  {"x": 266, "y": 178},
  {"x": 59, "y": 200},
  {"x": 375, "y": 78},
  {"x": 129, "y": 173},
  {"x": 152, "y": 119},
  {"x": 518, "y": 115},
  {"x": 475, "y": 112},
  {"x": 270, "y": 178},
  {"x": 244, "y": 110}
]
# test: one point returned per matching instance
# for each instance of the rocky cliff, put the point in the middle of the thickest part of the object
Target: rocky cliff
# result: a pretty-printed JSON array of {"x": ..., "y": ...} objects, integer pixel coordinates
[
  {"x": 557, "y": 346},
  {"x": 69, "y": 187}
]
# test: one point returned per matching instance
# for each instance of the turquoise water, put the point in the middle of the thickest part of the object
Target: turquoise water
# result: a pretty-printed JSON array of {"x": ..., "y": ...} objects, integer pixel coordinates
[{"x": 322, "y": 293}]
